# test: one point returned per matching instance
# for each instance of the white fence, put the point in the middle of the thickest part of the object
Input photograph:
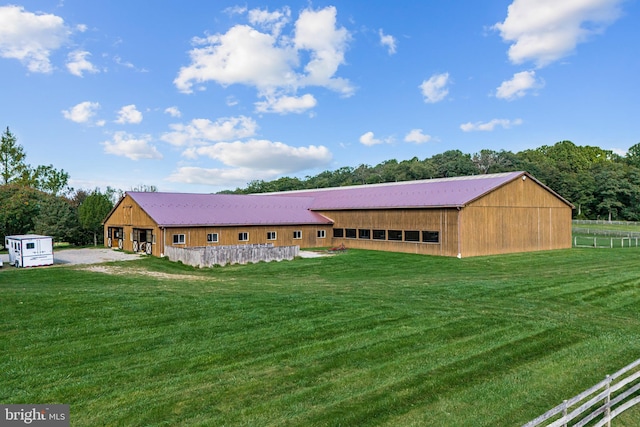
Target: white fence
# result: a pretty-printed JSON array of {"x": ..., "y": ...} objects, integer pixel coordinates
[
  {"x": 239, "y": 254},
  {"x": 600, "y": 404},
  {"x": 605, "y": 242}
]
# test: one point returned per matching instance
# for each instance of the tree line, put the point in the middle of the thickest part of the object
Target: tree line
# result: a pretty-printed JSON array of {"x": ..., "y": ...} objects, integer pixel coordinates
[
  {"x": 600, "y": 183},
  {"x": 39, "y": 200}
]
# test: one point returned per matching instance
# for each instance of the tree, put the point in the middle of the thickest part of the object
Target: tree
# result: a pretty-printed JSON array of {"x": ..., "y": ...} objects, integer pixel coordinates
[
  {"x": 19, "y": 208},
  {"x": 57, "y": 218},
  {"x": 50, "y": 180},
  {"x": 93, "y": 210},
  {"x": 12, "y": 165}
]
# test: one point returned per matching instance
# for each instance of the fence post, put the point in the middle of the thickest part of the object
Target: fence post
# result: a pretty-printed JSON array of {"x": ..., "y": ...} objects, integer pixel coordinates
[
  {"x": 594, "y": 243},
  {"x": 564, "y": 412},
  {"x": 607, "y": 402},
  {"x": 612, "y": 243}
]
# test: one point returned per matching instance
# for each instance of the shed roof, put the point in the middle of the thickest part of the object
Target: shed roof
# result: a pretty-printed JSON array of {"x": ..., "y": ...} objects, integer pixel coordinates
[
  {"x": 428, "y": 193},
  {"x": 186, "y": 209}
]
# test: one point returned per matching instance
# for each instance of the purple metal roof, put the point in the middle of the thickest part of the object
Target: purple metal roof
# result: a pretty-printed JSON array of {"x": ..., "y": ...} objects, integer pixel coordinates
[
  {"x": 441, "y": 192},
  {"x": 184, "y": 209}
]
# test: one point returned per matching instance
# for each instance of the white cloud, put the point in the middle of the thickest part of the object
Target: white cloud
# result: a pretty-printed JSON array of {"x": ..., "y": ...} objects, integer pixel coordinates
[
  {"x": 435, "y": 89},
  {"x": 518, "y": 86},
  {"x": 388, "y": 41},
  {"x": 173, "y": 111},
  {"x": 287, "y": 104},
  {"x": 544, "y": 31},
  {"x": 77, "y": 63},
  {"x": 204, "y": 131},
  {"x": 489, "y": 126},
  {"x": 271, "y": 62},
  {"x": 82, "y": 112},
  {"x": 30, "y": 37},
  {"x": 132, "y": 147},
  {"x": 369, "y": 139},
  {"x": 264, "y": 155},
  {"x": 272, "y": 21},
  {"x": 416, "y": 136},
  {"x": 253, "y": 159},
  {"x": 129, "y": 115}
]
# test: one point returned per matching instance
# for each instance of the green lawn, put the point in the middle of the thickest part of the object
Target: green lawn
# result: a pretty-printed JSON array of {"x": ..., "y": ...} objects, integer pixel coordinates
[{"x": 358, "y": 339}]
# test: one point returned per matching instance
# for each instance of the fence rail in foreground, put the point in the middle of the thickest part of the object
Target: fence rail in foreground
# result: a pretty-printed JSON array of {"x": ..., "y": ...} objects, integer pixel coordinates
[
  {"x": 597, "y": 406},
  {"x": 238, "y": 254}
]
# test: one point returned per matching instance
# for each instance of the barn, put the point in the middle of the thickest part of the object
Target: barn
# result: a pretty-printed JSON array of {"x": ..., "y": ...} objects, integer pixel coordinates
[{"x": 461, "y": 216}]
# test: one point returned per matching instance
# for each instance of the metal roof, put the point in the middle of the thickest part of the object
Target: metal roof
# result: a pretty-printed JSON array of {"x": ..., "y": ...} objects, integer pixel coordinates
[
  {"x": 428, "y": 193},
  {"x": 185, "y": 209},
  {"x": 297, "y": 207}
]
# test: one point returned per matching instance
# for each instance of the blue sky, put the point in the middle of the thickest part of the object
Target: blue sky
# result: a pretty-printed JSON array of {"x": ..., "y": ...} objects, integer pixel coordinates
[{"x": 199, "y": 96}]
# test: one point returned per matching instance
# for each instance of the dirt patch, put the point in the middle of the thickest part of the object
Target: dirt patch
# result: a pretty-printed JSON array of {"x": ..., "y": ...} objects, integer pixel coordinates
[{"x": 125, "y": 271}]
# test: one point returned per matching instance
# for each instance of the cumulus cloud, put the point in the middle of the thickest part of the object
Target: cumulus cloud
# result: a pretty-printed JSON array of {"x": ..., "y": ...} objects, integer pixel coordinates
[
  {"x": 269, "y": 61},
  {"x": 417, "y": 136},
  {"x": 77, "y": 63},
  {"x": 129, "y": 114},
  {"x": 369, "y": 139},
  {"x": 435, "y": 89},
  {"x": 388, "y": 41},
  {"x": 173, "y": 111},
  {"x": 31, "y": 38},
  {"x": 543, "y": 31},
  {"x": 204, "y": 131},
  {"x": 287, "y": 104},
  {"x": 490, "y": 126},
  {"x": 253, "y": 159},
  {"x": 259, "y": 154},
  {"x": 132, "y": 147},
  {"x": 519, "y": 85},
  {"x": 82, "y": 112}
]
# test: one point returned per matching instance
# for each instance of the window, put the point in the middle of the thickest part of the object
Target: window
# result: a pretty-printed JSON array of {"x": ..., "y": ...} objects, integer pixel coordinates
[
  {"x": 364, "y": 234},
  {"x": 297, "y": 234},
  {"x": 431, "y": 236},
  {"x": 271, "y": 235},
  {"x": 178, "y": 239},
  {"x": 379, "y": 235},
  {"x": 338, "y": 232},
  {"x": 31, "y": 245},
  {"x": 411, "y": 236},
  {"x": 322, "y": 234},
  {"x": 395, "y": 235},
  {"x": 243, "y": 237},
  {"x": 351, "y": 233},
  {"x": 212, "y": 238}
]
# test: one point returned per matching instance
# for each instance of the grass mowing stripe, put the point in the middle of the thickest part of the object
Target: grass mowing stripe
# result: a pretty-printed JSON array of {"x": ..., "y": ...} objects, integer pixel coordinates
[{"x": 320, "y": 341}]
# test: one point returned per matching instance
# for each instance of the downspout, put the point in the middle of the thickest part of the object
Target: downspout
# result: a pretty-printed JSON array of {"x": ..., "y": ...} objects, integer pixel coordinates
[{"x": 459, "y": 232}]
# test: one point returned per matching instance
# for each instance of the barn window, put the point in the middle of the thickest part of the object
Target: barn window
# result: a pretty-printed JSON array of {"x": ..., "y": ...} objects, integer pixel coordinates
[
  {"x": 411, "y": 236},
  {"x": 243, "y": 237},
  {"x": 351, "y": 233},
  {"x": 338, "y": 232},
  {"x": 431, "y": 236},
  {"x": 364, "y": 234},
  {"x": 379, "y": 235},
  {"x": 395, "y": 235},
  {"x": 297, "y": 234},
  {"x": 271, "y": 235},
  {"x": 178, "y": 239},
  {"x": 322, "y": 234},
  {"x": 212, "y": 238}
]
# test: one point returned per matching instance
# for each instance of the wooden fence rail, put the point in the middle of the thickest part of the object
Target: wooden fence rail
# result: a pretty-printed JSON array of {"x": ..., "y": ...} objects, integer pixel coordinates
[
  {"x": 597, "y": 406},
  {"x": 238, "y": 254}
]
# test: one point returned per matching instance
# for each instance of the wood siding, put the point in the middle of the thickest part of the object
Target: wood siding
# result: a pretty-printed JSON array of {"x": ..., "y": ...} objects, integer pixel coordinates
[
  {"x": 128, "y": 215},
  {"x": 521, "y": 216},
  {"x": 444, "y": 221}
]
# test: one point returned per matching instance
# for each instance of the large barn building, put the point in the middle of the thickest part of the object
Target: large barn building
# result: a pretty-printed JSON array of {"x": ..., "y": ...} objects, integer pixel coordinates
[{"x": 462, "y": 216}]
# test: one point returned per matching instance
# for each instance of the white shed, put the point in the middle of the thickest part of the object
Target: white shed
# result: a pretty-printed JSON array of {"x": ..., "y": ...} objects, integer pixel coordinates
[{"x": 29, "y": 250}]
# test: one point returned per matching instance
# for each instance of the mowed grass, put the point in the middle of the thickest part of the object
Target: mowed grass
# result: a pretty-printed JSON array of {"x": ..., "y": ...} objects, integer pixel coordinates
[{"x": 361, "y": 338}]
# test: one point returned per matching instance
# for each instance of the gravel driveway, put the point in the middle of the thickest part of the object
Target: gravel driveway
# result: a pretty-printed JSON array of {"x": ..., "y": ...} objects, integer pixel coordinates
[{"x": 84, "y": 256}]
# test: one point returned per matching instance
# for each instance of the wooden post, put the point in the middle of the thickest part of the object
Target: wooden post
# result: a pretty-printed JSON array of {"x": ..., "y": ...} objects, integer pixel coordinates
[{"x": 564, "y": 412}]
